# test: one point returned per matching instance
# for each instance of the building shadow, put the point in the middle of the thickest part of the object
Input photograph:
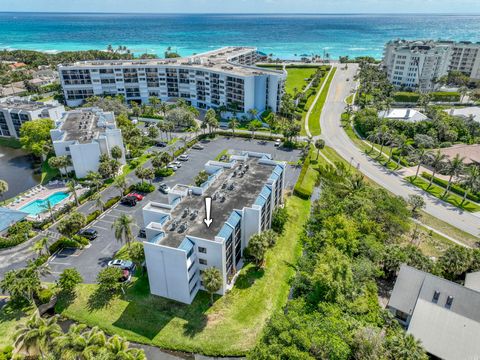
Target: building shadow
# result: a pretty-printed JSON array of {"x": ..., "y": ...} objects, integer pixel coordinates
[
  {"x": 249, "y": 277},
  {"x": 146, "y": 314}
]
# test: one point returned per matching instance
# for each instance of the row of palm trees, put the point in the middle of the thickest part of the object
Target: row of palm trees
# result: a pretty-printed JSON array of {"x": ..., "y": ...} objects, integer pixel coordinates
[{"x": 44, "y": 339}]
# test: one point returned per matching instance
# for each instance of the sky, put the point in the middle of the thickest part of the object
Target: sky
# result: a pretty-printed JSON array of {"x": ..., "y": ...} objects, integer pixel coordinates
[{"x": 245, "y": 6}]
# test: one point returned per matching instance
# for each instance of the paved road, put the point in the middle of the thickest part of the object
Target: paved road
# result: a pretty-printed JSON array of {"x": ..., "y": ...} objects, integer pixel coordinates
[
  {"x": 90, "y": 260},
  {"x": 336, "y": 137}
]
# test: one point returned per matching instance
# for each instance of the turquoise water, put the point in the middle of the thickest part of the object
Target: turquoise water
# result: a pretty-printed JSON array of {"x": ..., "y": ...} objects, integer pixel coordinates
[
  {"x": 284, "y": 36},
  {"x": 39, "y": 206}
]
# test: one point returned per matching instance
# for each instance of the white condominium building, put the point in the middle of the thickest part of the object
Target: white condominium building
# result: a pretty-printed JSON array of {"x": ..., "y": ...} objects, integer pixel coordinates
[
  {"x": 224, "y": 77},
  {"x": 418, "y": 64},
  {"x": 83, "y": 135},
  {"x": 179, "y": 246},
  {"x": 15, "y": 111}
]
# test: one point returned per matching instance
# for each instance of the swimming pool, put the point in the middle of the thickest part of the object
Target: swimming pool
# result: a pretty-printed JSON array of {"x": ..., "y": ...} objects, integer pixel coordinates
[{"x": 41, "y": 205}]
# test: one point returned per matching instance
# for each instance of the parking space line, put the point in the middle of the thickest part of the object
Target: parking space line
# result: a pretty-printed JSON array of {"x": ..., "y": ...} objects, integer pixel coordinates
[
  {"x": 98, "y": 226},
  {"x": 107, "y": 221},
  {"x": 59, "y": 263}
]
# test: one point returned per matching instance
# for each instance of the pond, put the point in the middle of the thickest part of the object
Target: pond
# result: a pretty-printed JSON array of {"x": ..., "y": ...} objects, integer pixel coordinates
[{"x": 16, "y": 169}]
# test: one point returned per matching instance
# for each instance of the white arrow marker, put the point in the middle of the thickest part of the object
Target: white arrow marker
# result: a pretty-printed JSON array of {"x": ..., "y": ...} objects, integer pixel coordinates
[{"x": 208, "y": 208}]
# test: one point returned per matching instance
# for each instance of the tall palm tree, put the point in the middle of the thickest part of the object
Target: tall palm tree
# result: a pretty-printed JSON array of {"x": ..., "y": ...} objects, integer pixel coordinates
[
  {"x": 98, "y": 201},
  {"x": 36, "y": 334},
  {"x": 71, "y": 187},
  {"x": 233, "y": 124},
  {"x": 436, "y": 161},
  {"x": 3, "y": 188},
  {"x": 471, "y": 181},
  {"x": 421, "y": 156},
  {"x": 454, "y": 169},
  {"x": 123, "y": 229},
  {"x": 120, "y": 182},
  {"x": 41, "y": 246},
  {"x": 95, "y": 179},
  {"x": 403, "y": 147}
]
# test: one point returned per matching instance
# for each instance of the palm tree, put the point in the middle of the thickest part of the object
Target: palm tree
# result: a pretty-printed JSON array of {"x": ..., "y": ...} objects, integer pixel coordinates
[
  {"x": 121, "y": 184},
  {"x": 471, "y": 181},
  {"x": 71, "y": 187},
  {"x": 79, "y": 343},
  {"x": 95, "y": 179},
  {"x": 436, "y": 161},
  {"x": 118, "y": 347},
  {"x": 454, "y": 168},
  {"x": 403, "y": 147},
  {"x": 233, "y": 124},
  {"x": 253, "y": 113},
  {"x": 123, "y": 229},
  {"x": 40, "y": 246},
  {"x": 98, "y": 202},
  {"x": 422, "y": 156},
  {"x": 212, "y": 281},
  {"x": 3, "y": 188},
  {"x": 36, "y": 334}
]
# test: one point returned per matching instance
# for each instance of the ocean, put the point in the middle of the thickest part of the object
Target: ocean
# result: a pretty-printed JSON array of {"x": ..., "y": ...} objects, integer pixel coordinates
[{"x": 284, "y": 36}]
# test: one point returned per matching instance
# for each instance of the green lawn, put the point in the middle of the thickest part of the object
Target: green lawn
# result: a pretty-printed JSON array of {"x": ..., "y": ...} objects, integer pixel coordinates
[
  {"x": 296, "y": 78},
  {"x": 438, "y": 191},
  {"x": 10, "y": 142},
  {"x": 230, "y": 327},
  {"x": 314, "y": 119},
  {"x": 48, "y": 173}
]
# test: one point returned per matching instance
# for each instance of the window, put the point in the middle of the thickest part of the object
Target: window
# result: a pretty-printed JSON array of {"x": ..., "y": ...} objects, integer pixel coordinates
[
  {"x": 436, "y": 296},
  {"x": 202, "y": 261},
  {"x": 202, "y": 250},
  {"x": 449, "y": 302},
  {"x": 400, "y": 315}
]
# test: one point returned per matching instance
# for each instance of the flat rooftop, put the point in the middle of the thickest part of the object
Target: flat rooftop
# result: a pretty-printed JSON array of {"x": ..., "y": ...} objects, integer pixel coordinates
[
  {"x": 245, "y": 190},
  {"x": 219, "y": 60},
  {"x": 18, "y": 104},
  {"x": 82, "y": 126}
]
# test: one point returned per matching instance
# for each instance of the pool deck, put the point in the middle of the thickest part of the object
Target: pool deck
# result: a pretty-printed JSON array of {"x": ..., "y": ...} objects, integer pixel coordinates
[{"x": 41, "y": 193}]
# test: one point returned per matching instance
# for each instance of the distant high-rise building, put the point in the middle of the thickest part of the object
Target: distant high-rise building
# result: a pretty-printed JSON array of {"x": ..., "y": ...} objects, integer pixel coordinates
[
  {"x": 418, "y": 64},
  {"x": 224, "y": 77}
]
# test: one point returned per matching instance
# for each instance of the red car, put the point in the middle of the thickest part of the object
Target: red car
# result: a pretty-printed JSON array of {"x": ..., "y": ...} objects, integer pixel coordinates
[{"x": 136, "y": 196}]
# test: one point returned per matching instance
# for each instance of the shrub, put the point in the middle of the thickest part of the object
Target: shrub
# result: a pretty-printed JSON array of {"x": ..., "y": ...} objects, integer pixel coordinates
[
  {"x": 110, "y": 202},
  {"x": 20, "y": 228},
  {"x": 163, "y": 172},
  {"x": 6, "y": 352},
  {"x": 134, "y": 163},
  {"x": 64, "y": 243},
  {"x": 44, "y": 295},
  {"x": 68, "y": 279},
  {"x": 408, "y": 97},
  {"x": 201, "y": 178},
  {"x": 81, "y": 240},
  {"x": 279, "y": 219},
  {"x": 445, "y": 96},
  {"x": 144, "y": 187},
  {"x": 92, "y": 216},
  {"x": 11, "y": 241},
  {"x": 108, "y": 279}
]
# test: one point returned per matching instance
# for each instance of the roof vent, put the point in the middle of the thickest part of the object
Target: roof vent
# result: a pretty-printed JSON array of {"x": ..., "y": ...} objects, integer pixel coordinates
[
  {"x": 449, "y": 302},
  {"x": 436, "y": 296}
]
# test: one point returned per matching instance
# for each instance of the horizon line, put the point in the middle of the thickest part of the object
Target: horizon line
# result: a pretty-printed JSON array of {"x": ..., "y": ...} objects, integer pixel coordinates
[{"x": 239, "y": 13}]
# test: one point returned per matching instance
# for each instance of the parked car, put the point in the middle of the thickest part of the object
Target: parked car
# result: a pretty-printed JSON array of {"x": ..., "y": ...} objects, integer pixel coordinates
[
  {"x": 129, "y": 200},
  {"x": 164, "y": 188},
  {"x": 277, "y": 143},
  {"x": 122, "y": 264},
  {"x": 160, "y": 144},
  {"x": 137, "y": 196},
  {"x": 183, "y": 157},
  {"x": 198, "y": 147},
  {"x": 90, "y": 234},
  {"x": 142, "y": 234},
  {"x": 178, "y": 164},
  {"x": 173, "y": 167},
  {"x": 126, "y": 276}
]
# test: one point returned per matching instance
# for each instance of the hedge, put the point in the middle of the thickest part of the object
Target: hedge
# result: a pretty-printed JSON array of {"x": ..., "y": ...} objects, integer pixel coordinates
[
  {"x": 455, "y": 188},
  {"x": 144, "y": 187},
  {"x": 299, "y": 190},
  {"x": 163, "y": 172},
  {"x": 92, "y": 216},
  {"x": 249, "y": 136},
  {"x": 444, "y": 96},
  {"x": 65, "y": 242},
  {"x": 407, "y": 97},
  {"x": 110, "y": 202},
  {"x": 11, "y": 241}
]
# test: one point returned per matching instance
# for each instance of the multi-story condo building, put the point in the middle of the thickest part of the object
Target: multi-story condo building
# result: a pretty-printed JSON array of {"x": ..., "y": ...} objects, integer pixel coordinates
[
  {"x": 224, "y": 77},
  {"x": 418, "y": 64},
  {"x": 15, "y": 111},
  {"x": 179, "y": 247},
  {"x": 84, "y": 135}
]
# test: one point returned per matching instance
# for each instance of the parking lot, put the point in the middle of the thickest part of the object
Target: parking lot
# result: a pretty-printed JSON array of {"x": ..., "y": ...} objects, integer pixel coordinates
[{"x": 101, "y": 250}]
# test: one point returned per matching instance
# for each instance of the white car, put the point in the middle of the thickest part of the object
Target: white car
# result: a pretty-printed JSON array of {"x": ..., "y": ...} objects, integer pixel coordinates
[
  {"x": 173, "y": 167},
  {"x": 178, "y": 164},
  {"x": 278, "y": 142},
  {"x": 183, "y": 157}
]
